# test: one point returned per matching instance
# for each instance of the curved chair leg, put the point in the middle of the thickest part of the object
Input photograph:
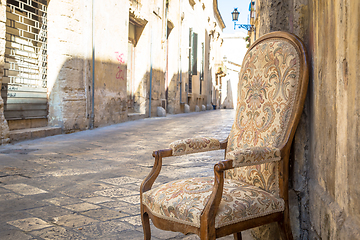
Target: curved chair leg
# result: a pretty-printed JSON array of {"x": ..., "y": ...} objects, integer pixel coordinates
[
  {"x": 146, "y": 226},
  {"x": 285, "y": 228},
  {"x": 237, "y": 236}
]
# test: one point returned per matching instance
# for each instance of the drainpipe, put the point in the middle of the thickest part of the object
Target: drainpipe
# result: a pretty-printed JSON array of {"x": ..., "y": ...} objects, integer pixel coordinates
[
  {"x": 180, "y": 71},
  {"x": 92, "y": 118},
  {"x": 166, "y": 56},
  {"x": 151, "y": 62},
  {"x": 180, "y": 65}
]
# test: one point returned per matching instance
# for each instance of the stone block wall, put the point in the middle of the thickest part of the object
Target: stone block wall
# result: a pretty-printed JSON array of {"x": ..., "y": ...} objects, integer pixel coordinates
[
  {"x": 334, "y": 46},
  {"x": 111, "y": 44},
  {"x": 324, "y": 194}
]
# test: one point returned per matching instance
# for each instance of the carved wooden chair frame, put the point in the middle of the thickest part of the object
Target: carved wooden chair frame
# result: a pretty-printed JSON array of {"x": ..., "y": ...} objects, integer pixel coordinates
[{"x": 207, "y": 228}]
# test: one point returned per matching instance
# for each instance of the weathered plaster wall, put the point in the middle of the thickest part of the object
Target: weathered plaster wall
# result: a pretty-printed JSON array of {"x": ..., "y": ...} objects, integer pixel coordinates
[
  {"x": 69, "y": 63},
  {"x": 158, "y": 51},
  {"x": 324, "y": 194},
  {"x": 110, "y": 73},
  {"x": 142, "y": 60},
  {"x": 334, "y": 156},
  {"x": 273, "y": 16},
  {"x": 173, "y": 73},
  {"x": 4, "y": 128}
]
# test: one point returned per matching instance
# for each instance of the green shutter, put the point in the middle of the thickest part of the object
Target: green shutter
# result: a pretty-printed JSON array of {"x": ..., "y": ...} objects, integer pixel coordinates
[
  {"x": 190, "y": 50},
  {"x": 190, "y": 61},
  {"x": 202, "y": 61},
  {"x": 194, "y": 53}
]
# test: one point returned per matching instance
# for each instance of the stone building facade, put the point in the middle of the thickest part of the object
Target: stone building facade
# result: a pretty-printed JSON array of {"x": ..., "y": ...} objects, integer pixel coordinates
[
  {"x": 325, "y": 192},
  {"x": 84, "y": 64}
]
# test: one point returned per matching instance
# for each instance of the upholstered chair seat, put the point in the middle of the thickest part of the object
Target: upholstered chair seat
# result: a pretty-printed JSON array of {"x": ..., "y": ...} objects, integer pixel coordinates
[
  {"x": 249, "y": 187},
  {"x": 182, "y": 201}
]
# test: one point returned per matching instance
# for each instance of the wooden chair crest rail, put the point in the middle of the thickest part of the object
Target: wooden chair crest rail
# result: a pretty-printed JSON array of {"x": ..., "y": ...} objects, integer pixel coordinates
[{"x": 250, "y": 187}]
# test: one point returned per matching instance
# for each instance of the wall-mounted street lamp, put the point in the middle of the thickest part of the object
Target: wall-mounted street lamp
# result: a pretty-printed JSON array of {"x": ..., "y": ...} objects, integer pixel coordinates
[{"x": 235, "y": 17}]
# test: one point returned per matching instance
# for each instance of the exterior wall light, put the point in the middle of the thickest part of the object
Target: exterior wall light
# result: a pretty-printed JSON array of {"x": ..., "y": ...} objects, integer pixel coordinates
[{"x": 235, "y": 17}]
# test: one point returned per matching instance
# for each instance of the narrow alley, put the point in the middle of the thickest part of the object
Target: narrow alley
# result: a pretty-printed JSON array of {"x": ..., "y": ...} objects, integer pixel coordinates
[
  {"x": 89, "y": 89},
  {"x": 85, "y": 185}
]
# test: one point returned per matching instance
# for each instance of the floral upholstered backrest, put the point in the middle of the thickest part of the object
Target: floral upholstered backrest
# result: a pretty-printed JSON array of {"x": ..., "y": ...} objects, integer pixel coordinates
[{"x": 268, "y": 88}]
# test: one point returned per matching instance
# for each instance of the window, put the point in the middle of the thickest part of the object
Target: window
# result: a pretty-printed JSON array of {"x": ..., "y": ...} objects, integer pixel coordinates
[
  {"x": 202, "y": 65},
  {"x": 193, "y": 39},
  {"x": 194, "y": 53}
]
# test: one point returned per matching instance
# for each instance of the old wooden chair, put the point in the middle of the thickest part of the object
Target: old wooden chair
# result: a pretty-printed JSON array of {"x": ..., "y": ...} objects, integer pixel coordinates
[{"x": 271, "y": 92}]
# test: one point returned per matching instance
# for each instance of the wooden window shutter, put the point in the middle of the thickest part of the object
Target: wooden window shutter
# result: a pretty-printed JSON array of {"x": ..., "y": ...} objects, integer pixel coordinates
[
  {"x": 194, "y": 53},
  {"x": 202, "y": 61}
]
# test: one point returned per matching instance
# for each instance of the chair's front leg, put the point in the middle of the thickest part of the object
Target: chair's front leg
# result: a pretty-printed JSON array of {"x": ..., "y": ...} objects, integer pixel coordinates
[
  {"x": 145, "y": 223},
  {"x": 207, "y": 218},
  {"x": 146, "y": 186}
]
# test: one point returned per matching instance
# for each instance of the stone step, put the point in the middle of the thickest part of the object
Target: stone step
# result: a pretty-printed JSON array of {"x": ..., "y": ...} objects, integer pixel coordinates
[
  {"x": 135, "y": 116},
  {"x": 31, "y": 133},
  {"x": 17, "y": 124}
]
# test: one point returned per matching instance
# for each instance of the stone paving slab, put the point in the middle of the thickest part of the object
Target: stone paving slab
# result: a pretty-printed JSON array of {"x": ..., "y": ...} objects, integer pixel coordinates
[
  {"x": 50, "y": 212},
  {"x": 73, "y": 220},
  {"x": 14, "y": 234},
  {"x": 104, "y": 214},
  {"x": 57, "y": 233},
  {"x": 24, "y": 189},
  {"x": 59, "y": 201},
  {"x": 97, "y": 200},
  {"x": 29, "y": 224},
  {"x": 85, "y": 185}
]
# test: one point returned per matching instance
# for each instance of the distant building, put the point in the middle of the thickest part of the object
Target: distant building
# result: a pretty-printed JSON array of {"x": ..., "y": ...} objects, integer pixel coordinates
[{"x": 234, "y": 49}]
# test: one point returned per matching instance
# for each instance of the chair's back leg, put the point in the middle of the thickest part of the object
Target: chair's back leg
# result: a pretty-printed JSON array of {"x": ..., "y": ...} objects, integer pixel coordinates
[
  {"x": 237, "y": 236},
  {"x": 285, "y": 228}
]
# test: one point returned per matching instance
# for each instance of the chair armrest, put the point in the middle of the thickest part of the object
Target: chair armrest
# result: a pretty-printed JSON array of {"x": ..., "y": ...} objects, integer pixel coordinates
[
  {"x": 253, "y": 156},
  {"x": 151, "y": 177},
  {"x": 213, "y": 144},
  {"x": 194, "y": 145}
]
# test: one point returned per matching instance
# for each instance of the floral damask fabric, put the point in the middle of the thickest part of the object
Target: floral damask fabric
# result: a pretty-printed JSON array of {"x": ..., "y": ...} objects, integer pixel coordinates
[
  {"x": 268, "y": 88},
  {"x": 183, "y": 201},
  {"x": 264, "y": 176},
  {"x": 194, "y": 145},
  {"x": 250, "y": 156}
]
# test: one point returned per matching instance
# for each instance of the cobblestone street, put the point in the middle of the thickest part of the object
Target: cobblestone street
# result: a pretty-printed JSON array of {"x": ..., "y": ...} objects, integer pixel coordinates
[{"x": 85, "y": 185}]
